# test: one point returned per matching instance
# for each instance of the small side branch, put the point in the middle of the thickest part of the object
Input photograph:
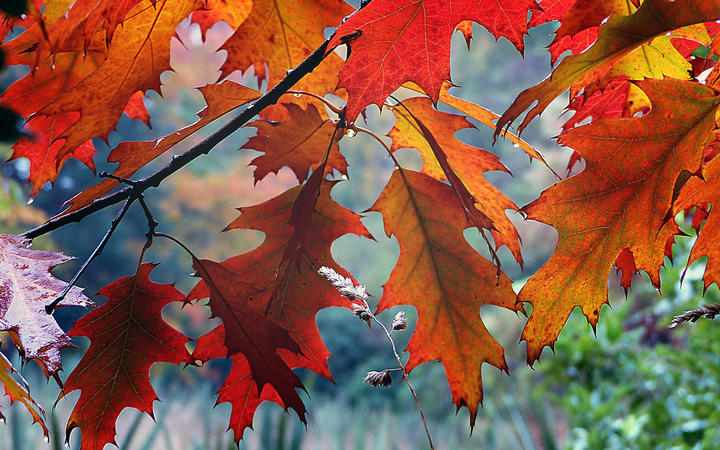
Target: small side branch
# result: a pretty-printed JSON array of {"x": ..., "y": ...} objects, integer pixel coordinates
[
  {"x": 98, "y": 250},
  {"x": 707, "y": 311}
]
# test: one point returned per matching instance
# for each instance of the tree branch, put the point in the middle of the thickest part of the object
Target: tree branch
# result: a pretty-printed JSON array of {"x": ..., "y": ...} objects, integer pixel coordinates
[{"x": 179, "y": 161}]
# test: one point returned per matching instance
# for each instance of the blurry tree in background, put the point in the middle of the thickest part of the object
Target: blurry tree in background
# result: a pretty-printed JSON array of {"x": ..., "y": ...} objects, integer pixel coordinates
[{"x": 632, "y": 383}]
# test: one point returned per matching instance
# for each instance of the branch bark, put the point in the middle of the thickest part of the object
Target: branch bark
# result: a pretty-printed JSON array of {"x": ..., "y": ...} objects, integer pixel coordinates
[{"x": 179, "y": 161}]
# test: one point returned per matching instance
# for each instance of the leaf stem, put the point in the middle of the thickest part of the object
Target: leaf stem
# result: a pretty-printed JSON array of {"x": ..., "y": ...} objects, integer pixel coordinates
[{"x": 333, "y": 108}]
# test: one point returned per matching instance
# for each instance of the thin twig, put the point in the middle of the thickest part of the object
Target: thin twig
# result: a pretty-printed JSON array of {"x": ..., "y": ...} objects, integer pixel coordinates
[
  {"x": 98, "y": 250},
  {"x": 348, "y": 289}
]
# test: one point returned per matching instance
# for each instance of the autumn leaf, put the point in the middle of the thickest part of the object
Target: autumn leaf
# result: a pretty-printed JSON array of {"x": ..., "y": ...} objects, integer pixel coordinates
[
  {"x": 251, "y": 333},
  {"x": 445, "y": 280},
  {"x": 282, "y": 33},
  {"x": 131, "y": 156},
  {"x": 466, "y": 161},
  {"x": 127, "y": 336},
  {"x": 137, "y": 56},
  {"x": 135, "y": 109},
  {"x": 296, "y": 143},
  {"x": 698, "y": 192},
  {"x": 289, "y": 293},
  {"x": 618, "y": 37},
  {"x": 232, "y": 12},
  {"x": 239, "y": 388},
  {"x": 621, "y": 200},
  {"x": 19, "y": 391},
  {"x": 26, "y": 286},
  {"x": 409, "y": 40}
]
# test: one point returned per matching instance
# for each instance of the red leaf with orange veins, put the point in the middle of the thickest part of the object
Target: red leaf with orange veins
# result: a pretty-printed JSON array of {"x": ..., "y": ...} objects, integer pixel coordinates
[
  {"x": 26, "y": 287},
  {"x": 19, "y": 391},
  {"x": 621, "y": 200},
  {"x": 618, "y": 37},
  {"x": 298, "y": 143},
  {"x": 127, "y": 336},
  {"x": 239, "y": 389},
  {"x": 135, "y": 109},
  {"x": 609, "y": 103},
  {"x": 136, "y": 57},
  {"x": 131, "y": 156},
  {"x": 445, "y": 280},
  {"x": 251, "y": 333},
  {"x": 282, "y": 33},
  {"x": 43, "y": 152},
  {"x": 466, "y": 161},
  {"x": 409, "y": 40},
  {"x": 697, "y": 192}
]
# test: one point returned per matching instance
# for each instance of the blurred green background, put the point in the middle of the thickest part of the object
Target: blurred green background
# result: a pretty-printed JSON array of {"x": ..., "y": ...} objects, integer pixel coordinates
[{"x": 636, "y": 384}]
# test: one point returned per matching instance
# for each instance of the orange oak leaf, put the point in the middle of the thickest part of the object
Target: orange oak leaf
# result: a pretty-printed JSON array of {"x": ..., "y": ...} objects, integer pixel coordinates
[
  {"x": 88, "y": 18},
  {"x": 19, "y": 391},
  {"x": 445, "y": 280},
  {"x": 465, "y": 160},
  {"x": 127, "y": 336},
  {"x": 484, "y": 116},
  {"x": 26, "y": 286},
  {"x": 618, "y": 37},
  {"x": 620, "y": 201},
  {"x": 409, "y": 40},
  {"x": 697, "y": 192},
  {"x": 131, "y": 156},
  {"x": 250, "y": 333},
  {"x": 282, "y": 33},
  {"x": 239, "y": 388},
  {"x": 297, "y": 143},
  {"x": 232, "y": 12},
  {"x": 137, "y": 56}
]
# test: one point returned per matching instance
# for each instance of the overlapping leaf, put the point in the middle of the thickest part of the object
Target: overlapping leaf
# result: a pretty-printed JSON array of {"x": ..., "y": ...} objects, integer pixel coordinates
[
  {"x": 282, "y": 33},
  {"x": 19, "y": 391},
  {"x": 239, "y": 389},
  {"x": 620, "y": 201},
  {"x": 392, "y": 42},
  {"x": 466, "y": 161},
  {"x": 26, "y": 286},
  {"x": 445, "y": 280},
  {"x": 131, "y": 156},
  {"x": 698, "y": 192},
  {"x": 299, "y": 226},
  {"x": 138, "y": 54},
  {"x": 127, "y": 336},
  {"x": 618, "y": 37},
  {"x": 295, "y": 143}
]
